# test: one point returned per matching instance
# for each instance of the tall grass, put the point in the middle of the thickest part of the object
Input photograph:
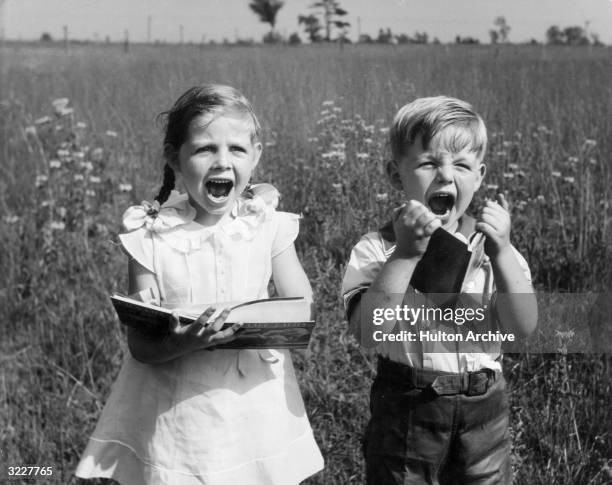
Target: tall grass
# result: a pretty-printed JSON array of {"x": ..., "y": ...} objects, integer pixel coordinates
[{"x": 325, "y": 115}]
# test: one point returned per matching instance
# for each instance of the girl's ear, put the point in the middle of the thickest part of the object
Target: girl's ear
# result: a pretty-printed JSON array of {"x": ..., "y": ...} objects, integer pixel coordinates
[
  {"x": 393, "y": 174},
  {"x": 258, "y": 150}
]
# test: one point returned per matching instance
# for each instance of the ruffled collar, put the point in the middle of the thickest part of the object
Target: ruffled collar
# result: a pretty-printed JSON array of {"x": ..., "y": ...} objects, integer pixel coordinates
[{"x": 174, "y": 221}]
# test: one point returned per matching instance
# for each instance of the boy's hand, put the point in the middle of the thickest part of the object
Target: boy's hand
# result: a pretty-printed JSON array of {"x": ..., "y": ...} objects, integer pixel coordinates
[
  {"x": 202, "y": 334},
  {"x": 494, "y": 223},
  {"x": 413, "y": 224}
]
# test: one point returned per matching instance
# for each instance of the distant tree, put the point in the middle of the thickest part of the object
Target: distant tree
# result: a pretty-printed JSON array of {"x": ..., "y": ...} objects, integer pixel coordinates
[
  {"x": 267, "y": 10},
  {"x": 384, "y": 36},
  {"x": 294, "y": 39},
  {"x": 466, "y": 40},
  {"x": 436, "y": 41},
  {"x": 494, "y": 34},
  {"x": 420, "y": 37},
  {"x": 312, "y": 26},
  {"x": 554, "y": 35},
  {"x": 365, "y": 39},
  {"x": 331, "y": 12},
  {"x": 503, "y": 29},
  {"x": 272, "y": 38},
  {"x": 575, "y": 35},
  {"x": 46, "y": 37}
]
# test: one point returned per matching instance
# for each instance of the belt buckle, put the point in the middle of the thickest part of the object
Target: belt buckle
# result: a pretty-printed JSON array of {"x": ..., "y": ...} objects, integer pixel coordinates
[
  {"x": 477, "y": 383},
  {"x": 446, "y": 385}
]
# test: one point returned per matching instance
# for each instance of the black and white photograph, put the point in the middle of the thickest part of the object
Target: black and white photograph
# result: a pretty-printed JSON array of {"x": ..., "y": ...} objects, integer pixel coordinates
[{"x": 317, "y": 242}]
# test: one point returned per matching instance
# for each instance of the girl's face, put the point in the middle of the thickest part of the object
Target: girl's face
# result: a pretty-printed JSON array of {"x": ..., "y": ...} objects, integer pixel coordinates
[{"x": 216, "y": 161}]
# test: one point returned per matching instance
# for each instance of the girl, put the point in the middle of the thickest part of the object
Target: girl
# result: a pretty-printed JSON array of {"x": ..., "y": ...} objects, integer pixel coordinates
[{"x": 177, "y": 414}]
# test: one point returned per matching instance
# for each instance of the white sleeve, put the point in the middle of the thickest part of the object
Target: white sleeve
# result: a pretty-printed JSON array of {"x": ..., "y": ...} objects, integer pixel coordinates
[
  {"x": 364, "y": 264},
  {"x": 138, "y": 244},
  {"x": 287, "y": 229}
]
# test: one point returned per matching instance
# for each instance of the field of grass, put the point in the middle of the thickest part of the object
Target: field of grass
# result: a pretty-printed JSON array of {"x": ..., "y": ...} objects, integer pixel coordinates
[{"x": 66, "y": 180}]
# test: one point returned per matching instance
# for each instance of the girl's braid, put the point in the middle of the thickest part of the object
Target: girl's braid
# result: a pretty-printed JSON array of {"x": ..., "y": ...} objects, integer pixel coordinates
[{"x": 167, "y": 185}]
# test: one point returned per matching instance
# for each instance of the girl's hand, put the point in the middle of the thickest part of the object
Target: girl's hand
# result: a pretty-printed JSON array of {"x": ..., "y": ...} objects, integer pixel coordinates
[
  {"x": 201, "y": 334},
  {"x": 413, "y": 224},
  {"x": 494, "y": 223}
]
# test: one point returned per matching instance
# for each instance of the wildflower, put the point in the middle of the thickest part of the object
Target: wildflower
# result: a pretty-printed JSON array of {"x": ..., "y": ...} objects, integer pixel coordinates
[
  {"x": 337, "y": 109},
  {"x": 362, "y": 156},
  {"x": 125, "y": 187},
  {"x": 384, "y": 129},
  {"x": 96, "y": 154},
  {"x": 325, "y": 112},
  {"x": 588, "y": 143},
  {"x": 66, "y": 112},
  {"x": 592, "y": 161},
  {"x": 12, "y": 219},
  {"x": 556, "y": 173},
  {"x": 90, "y": 193},
  {"x": 508, "y": 175},
  {"x": 369, "y": 128},
  {"x": 42, "y": 121},
  {"x": 506, "y": 144},
  {"x": 95, "y": 180},
  {"x": 55, "y": 164},
  {"x": 313, "y": 139},
  {"x": 328, "y": 103},
  {"x": 61, "y": 211},
  {"x": 337, "y": 187},
  {"x": 540, "y": 198},
  {"x": 572, "y": 159},
  {"x": 59, "y": 105},
  {"x": 30, "y": 130},
  {"x": 338, "y": 146},
  {"x": 513, "y": 166},
  {"x": 41, "y": 180},
  {"x": 521, "y": 174},
  {"x": 63, "y": 153},
  {"x": 367, "y": 141},
  {"x": 501, "y": 153},
  {"x": 88, "y": 166},
  {"x": 78, "y": 177},
  {"x": 492, "y": 187},
  {"x": 270, "y": 143},
  {"x": 518, "y": 135},
  {"x": 382, "y": 197},
  {"x": 111, "y": 134},
  {"x": 57, "y": 226},
  {"x": 569, "y": 180},
  {"x": 78, "y": 155},
  {"x": 80, "y": 125}
]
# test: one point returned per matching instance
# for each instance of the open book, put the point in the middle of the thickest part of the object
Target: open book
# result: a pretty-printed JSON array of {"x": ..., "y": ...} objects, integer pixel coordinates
[
  {"x": 274, "y": 323},
  {"x": 446, "y": 263}
]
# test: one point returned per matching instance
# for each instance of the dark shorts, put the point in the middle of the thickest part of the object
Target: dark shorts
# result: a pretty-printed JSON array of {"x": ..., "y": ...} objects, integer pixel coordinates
[{"x": 418, "y": 437}]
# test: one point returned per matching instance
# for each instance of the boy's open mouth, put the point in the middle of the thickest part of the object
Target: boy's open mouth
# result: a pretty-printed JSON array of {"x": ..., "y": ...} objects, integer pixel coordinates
[
  {"x": 219, "y": 188},
  {"x": 441, "y": 204}
]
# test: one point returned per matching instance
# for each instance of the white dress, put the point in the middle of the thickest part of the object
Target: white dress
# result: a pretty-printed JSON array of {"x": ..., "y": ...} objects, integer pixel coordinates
[{"x": 210, "y": 417}]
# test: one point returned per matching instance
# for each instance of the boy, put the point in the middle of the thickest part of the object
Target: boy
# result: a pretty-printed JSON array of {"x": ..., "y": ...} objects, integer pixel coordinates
[{"x": 437, "y": 417}]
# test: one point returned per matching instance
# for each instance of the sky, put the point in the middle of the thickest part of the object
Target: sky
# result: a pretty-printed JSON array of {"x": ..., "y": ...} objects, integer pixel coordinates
[{"x": 231, "y": 19}]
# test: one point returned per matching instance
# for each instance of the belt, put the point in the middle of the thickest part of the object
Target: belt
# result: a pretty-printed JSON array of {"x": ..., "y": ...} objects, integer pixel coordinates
[{"x": 442, "y": 383}]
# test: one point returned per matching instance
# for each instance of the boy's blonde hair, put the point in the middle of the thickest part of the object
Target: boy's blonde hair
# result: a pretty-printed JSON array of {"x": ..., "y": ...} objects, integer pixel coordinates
[{"x": 427, "y": 117}]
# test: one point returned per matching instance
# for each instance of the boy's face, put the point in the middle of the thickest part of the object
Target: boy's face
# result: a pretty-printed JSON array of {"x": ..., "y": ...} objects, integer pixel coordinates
[{"x": 442, "y": 179}]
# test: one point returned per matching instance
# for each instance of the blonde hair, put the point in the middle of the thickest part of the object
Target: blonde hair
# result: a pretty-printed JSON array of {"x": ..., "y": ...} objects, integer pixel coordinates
[{"x": 428, "y": 117}]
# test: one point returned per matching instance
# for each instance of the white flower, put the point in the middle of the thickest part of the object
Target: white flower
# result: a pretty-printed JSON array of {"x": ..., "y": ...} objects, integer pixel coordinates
[
  {"x": 96, "y": 154},
  {"x": 590, "y": 143},
  {"x": 55, "y": 164},
  {"x": 569, "y": 180},
  {"x": 12, "y": 219},
  {"x": 42, "y": 121},
  {"x": 362, "y": 156},
  {"x": 65, "y": 112},
  {"x": 384, "y": 197},
  {"x": 328, "y": 102},
  {"x": 61, "y": 211},
  {"x": 59, "y": 105},
  {"x": 30, "y": 130},
  {"x": 88, "y": 166},
  {"x": 270, "y": 143},
  {"x": 540, "y": 198},
  {"x": 63, "y": 153},
  {"x": 78, "y": 177},
  {"x": 337, "y": 187},
  {"x": 492, "y": 186},
  {"x": 57, "y": 225},
  {"x": 513, "y": 166},
  {"x": 508, "y": 176},
  {"x": 80, "y": 125},
  {"x": 111, "y": 134},
  {"x": 556, "y": 173},
  {"x": 41, "y": 180},
  {"x": 90, "y": 193},
  {"x": 125, "y": 187},
  {"x": 95, "y": 180}
]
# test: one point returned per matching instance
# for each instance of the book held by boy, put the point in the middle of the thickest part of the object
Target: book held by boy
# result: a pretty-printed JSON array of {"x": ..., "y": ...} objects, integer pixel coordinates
[{"x": 273, "y": 323}]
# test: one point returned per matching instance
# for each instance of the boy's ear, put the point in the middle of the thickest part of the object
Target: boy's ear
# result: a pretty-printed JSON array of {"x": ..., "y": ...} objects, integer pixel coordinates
[
  {"x": 482, "y": 169},
  {"x": 393, "y": 174}
]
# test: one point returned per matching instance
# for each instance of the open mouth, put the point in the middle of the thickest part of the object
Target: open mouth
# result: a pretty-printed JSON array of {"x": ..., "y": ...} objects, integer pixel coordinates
[
  {"x": 219, "y": 188},
  {"x": 441, "y": 204}
]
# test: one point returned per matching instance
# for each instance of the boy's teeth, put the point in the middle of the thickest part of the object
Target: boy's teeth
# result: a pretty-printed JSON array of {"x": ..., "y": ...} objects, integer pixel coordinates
[{"x": 440, "y": 204}]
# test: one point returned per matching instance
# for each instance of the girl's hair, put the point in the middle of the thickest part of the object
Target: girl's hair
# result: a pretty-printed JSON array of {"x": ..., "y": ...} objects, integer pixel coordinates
[{"x": 209, "y": 99}]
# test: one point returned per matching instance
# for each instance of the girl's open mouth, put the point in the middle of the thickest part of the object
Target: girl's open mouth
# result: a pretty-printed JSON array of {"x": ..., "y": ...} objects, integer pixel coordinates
[
  {"x": 441, "y": 204},
  {"x": 218, "y": 189}
]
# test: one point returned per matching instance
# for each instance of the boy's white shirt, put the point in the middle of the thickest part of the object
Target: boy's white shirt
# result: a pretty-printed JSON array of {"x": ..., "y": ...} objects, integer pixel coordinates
[{"x": 367, "y": 259}]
